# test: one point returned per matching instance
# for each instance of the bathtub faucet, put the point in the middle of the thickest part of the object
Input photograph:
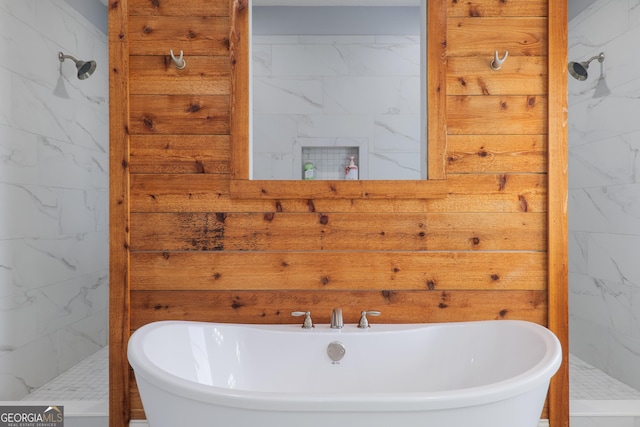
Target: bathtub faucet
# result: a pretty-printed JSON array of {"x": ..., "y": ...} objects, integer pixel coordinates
[
  {"x": 308, "y": 323},
  {"x": 336, "y": 319},
  {"x": 364, "y": 322}
]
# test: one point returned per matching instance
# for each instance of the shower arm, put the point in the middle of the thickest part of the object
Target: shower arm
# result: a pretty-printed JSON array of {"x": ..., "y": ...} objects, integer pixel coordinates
[
  {"x": 62, "y": 57},
  {"x": 599, "y": 57}
]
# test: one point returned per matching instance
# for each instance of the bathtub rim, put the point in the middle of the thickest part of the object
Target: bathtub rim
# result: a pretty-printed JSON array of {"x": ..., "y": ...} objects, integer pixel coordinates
[{"x": 538, "y": 375}]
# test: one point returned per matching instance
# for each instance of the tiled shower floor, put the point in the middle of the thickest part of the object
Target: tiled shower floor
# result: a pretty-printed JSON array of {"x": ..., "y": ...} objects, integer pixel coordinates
[
  {"x": 589, "y": 383},
  {"x": 88, "y": 380}
]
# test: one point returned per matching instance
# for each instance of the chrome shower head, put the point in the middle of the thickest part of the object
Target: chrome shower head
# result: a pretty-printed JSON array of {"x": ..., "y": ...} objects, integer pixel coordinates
[
  {"x": 579, "y": 69},
  {"x": 85, "y": 68}
]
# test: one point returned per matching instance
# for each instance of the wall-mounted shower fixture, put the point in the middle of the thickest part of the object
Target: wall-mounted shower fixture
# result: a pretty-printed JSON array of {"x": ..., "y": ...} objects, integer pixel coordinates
[
  {"x": 85, "y": 68},
  {"x": 579, "y": 69}
]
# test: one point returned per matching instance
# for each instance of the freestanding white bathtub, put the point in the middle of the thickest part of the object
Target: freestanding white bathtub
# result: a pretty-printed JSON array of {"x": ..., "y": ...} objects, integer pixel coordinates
[{"x": 474, "y": 374}]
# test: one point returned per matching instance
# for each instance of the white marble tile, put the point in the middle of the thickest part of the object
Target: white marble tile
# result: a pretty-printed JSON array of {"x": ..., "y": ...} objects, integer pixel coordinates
[
  {"x": 23, "y": 10},
  {"x": 83, "y": 210},
  {"x": 68, "y": 302},
  {"x": 67, "y": 28},
  {"x": 611, "y": 116},
  {"x": 6, "y": 269},
  {"x": 273, "y": 39},
  {"x": 611, "y": 161},
  {"x": 273, "y": 165},
  {"x": 619, "y": 67},
  {"x": 590, "y": 339},
  {"x": 274, "y": 132},
  {"x": 624, "y": 358},
  {"x": 24, "y": 368},
  {"x": 634, "y": 13},
  {"x": 18, "y": 312},
  {"x": 82, "y": 339},
  {"x": 578, "y": 251},
  {"x": 34, "y": 211},
  {"x": 605, "y": 302},
  {"x": 394, "y": 165},
  {"x": 332, "y": 126},
  {"x": 362, "y": 95},
  {"x": 309, "y": 60},
  {"x": 363, "y": 81},
  {"x": 278, "y": 95},
  {"x": 604, "y": 201},
  {"x": 337, "y": 39},
  {"x": 53, "y": 193},
  {"x": 58, "y": 259},
  {"x": 18, "y": 156},
  {"x": 65, "y": 165},
  {"x": 397, "y": 133},
  {"x": 384, "y": 59},
  {"x": 410, "y": 90},
  {"x": 39, "y": 63},
  {"x": 260, "y": 60},
  {"x": 614, "y": 257},
  {"x": 603, "y": 22},
  {"x": 614, "y": 209}
]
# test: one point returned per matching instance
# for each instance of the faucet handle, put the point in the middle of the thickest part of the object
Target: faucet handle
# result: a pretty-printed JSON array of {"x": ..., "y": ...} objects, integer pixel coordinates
[
  {"x": 308, "y": 323},
  {"x": 364, "y": 322}
]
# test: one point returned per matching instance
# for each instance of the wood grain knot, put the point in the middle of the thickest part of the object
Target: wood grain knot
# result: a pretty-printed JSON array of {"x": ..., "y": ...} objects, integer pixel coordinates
[{"x": 193, "y": 108}]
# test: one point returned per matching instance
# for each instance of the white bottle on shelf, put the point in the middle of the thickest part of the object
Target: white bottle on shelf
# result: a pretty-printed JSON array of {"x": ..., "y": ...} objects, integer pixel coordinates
[{"x": 351, "y": 170}]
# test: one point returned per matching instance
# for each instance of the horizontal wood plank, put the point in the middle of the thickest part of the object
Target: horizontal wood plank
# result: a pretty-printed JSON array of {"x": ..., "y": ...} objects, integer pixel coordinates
[
  {"x": 338, "y": 189},
  {"x": 338, "y": 271},
  {"x": 170, "y": 154},
  {"x": 396, "y": 306},
  {"x": 497, "y": 153},
  {"x": 480, "y": 37},
  {"x": 179, "y": 114},
  {"x": 178, "y": 7},
  {"x": 467, "y": 193},
  {"x": 519, "y": 75},
  {"x": 195, "y": 36},
  {"x": 494, "y": 193},
  {"x": 157, "y": 75},
  {"x": 497, "y": 115},
  {"x": 489, "y": 8},
  {"x": 339, "y": 231}
]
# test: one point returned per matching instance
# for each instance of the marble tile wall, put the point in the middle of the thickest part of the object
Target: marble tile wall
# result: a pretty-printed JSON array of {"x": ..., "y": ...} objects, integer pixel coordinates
[
  {"x": 53, "y": 194},
  {"x": 332, "y": 87},
  {"x": 604, "y": 191}
]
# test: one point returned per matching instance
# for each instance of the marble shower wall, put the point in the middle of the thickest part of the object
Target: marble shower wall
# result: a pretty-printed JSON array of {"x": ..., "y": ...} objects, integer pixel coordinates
[
  {"x": 320, "y": 90},
  {"x": 53, "y": 194},
  {"x": 604, "y": 191}
]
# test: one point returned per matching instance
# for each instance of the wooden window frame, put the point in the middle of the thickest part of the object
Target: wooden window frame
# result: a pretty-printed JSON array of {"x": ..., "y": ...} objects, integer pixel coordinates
[{"x": 242, "y": 187}]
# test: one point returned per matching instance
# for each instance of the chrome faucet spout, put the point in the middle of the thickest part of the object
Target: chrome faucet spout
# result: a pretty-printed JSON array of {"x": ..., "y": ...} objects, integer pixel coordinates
[{"x": 336, "y": 319}]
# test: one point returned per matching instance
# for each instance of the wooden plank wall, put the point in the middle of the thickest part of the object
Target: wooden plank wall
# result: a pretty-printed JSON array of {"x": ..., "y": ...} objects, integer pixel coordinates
[{"x": 182, "y": 248}]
